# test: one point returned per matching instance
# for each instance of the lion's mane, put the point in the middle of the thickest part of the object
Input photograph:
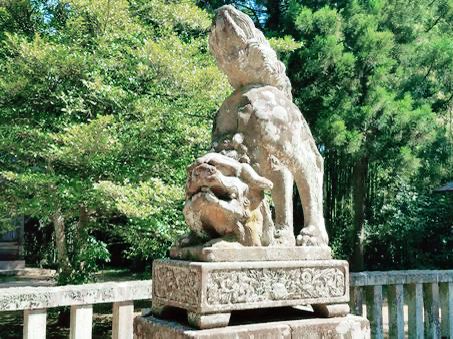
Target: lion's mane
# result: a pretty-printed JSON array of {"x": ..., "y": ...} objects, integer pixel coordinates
[{"x": 243, "y": 53}]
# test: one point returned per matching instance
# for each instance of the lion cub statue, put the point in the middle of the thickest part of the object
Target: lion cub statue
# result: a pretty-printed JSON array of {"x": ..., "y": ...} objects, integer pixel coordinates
[
  {"x": 224, "y": 196},
  {"x": 263, "y": 132}
]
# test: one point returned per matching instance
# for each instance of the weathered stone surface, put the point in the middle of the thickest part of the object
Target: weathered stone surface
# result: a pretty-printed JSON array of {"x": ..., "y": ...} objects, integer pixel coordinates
[
  {"x": 395, "y": 299},
  {"x": 414, "y": 299},
  {"x": 446, "y": 305},
  {"x": 81, "y": 322},
  {"x": 226, "y": 197},
  {"x": 331, "y": 311},
  {"x": 220, "y": 287},
  {"x": 346, "y": 327},
  {"x": 242, "y": 253},
  {"x": 35, "y": 324},
  {"x": 22, "y": 298},
  {"x": 123, "y": 320},
  {"x": 356, "y": 300},
  {"x": 281, "y": 148},
  {"x": 431, "y": 307},
  {"x": 374, "y": 303},
  {"x": 204, "y": 321},
  {"x": 400, "y": 277},
  {"x": 260, "y": 142},
  {"x": 275, "y": 136},
  {"x": 12, "y": 265},
  {"x": 232, "y": 35}
]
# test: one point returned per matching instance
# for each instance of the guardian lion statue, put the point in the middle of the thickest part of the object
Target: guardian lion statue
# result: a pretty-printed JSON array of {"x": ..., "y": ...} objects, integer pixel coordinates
[
  {"x": 259, "y": 127},
  {"x": 223, "y": 197},
  {"x": 279, "y": 142}
]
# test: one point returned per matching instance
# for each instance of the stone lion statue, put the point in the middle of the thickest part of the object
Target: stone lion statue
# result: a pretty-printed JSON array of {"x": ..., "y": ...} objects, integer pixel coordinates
[
  {"x": 276, "y": 137},
  {"x": 225, "y": 197},
  {"x": 261, "y": 142}
]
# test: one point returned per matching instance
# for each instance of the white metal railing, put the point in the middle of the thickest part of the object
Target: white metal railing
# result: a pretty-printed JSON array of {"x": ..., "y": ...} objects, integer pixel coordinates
[
  {"x": 428, "y": 295},
  {"x": 35, "y": 301}
]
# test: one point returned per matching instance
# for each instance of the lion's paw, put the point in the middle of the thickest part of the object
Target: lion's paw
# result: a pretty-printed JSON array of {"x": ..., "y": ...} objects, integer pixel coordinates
[{"x": 309, "y": 236}]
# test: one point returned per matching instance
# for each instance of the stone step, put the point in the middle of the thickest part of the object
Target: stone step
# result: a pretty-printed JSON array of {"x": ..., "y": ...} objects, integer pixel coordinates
[
  {"x": 11, "y": 265},
  {"x": 9, "y": 247},
  {"x": 9, "y": 251}
]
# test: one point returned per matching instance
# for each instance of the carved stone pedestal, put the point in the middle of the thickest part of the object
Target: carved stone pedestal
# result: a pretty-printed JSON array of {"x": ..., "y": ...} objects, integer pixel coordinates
[{"x": 210, "y": 291}]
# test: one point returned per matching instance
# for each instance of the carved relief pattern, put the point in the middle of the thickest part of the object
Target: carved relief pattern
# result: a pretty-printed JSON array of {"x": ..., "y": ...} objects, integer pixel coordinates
[
  {"x": 265, "y": 284},
  {"x": 177, "y": 284}
]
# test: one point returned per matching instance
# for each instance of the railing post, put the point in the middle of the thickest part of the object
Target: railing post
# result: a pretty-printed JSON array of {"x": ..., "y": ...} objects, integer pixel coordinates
[
  {"x": 35, "y": 324},
  {"x": 432, "y": 323},
  {"x": 81, "y": 321},
  {"x": 446, "y": 308},
  {"x": 396, "y": 311},
  {"x": 414, "y": 298},
  {"x": 374, "y": 310},
  {"x": 356, "y": 300},
  {"x": 123, "y": 320}
]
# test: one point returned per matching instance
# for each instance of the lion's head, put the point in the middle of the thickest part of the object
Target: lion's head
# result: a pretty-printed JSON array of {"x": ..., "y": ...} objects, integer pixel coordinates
[{"x": 243, "y": 53}]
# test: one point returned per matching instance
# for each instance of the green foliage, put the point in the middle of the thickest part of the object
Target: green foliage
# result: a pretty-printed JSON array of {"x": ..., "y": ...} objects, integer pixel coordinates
[
  {"x": 103, "y": 104},
  {"x": 284, "y": 45},
  {"x": 85, "y": 259},
  {"x": 153, "y": 209},
  {"x": 413, "y": 231},
  {"x": 180, "y": 16}
]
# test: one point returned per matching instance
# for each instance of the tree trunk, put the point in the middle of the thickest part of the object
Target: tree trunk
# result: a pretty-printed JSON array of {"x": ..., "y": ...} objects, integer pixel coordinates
[
  {"x": 84, "y": 219},
  {"x": 81, "y": 232},
  {"x": 60, "y": 242},
  {"x": 359, "y": 192},
  {"x": 274, "y": 13}
]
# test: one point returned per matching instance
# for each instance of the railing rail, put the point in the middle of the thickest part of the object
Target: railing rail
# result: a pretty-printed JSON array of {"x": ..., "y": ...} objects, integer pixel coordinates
[
  {"x": 427, "y": 294},
  {"x": 35, "y": 301}
]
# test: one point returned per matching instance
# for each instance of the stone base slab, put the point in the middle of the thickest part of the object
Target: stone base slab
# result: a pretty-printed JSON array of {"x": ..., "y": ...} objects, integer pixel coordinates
[
  {"x": 205, "y": 289},
  {"x": 243, "y": 253},
  {"x": 346, "y": 327}
]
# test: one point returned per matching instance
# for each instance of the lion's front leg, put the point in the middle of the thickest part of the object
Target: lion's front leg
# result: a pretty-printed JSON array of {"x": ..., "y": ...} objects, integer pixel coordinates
[
  {"x": 308, "y": 174},
  {"x": 282, "y": 196}
]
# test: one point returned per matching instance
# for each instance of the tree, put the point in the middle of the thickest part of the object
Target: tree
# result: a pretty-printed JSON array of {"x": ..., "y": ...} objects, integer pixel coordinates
[
  {"x": 359, "y": 80},
  {"x": 103, "y": 104}
]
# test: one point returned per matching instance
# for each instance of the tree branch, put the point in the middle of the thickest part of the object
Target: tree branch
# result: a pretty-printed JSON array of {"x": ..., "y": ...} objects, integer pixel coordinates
[{"x": 435, "y": 23}]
